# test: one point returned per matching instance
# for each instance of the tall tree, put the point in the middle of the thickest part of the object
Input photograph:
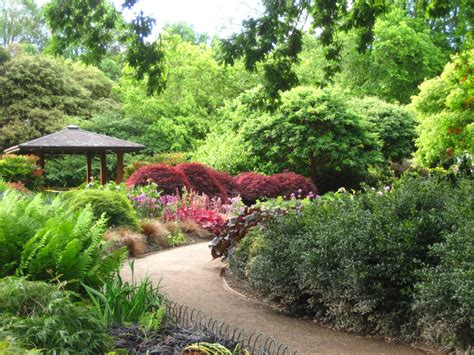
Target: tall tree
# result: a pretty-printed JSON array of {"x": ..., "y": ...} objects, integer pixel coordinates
[
  {"x": 21, "y": 22},
  {"x": 276, "y": 38},
  {"x": 92, "y": 27}
]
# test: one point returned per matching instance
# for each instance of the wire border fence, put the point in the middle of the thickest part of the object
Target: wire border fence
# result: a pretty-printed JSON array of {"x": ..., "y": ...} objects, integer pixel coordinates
[{"x": 254, "y": 342}]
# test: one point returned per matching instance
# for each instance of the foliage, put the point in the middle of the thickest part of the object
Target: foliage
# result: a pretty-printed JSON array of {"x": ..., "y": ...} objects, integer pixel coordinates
[
  {"x": 206, "y": 219},
  {"x": 228, "y": 183},
  {"x": 42, "y": 316},
  {"x": 114, "y": 205},
  {"x": 394, "y": 125},
  {"x": 21, "y": 22},
  {"x": 46, "y": 242},
  {"x": 403, "y": 54},
  {"x": 255, "y": 186},
  {"x": 202, "y": 179},
  {"x": 21, "y": 168},
  {"x": 291, "y": 184},
  {"x": 176, "y": 239},
  {"x": 384, "y": 242},
  {"x": 37, "y": 92},
  {"x": 122, "y": 302},
  {"x": 275, "y": 38},
  {"x": 168, "y": 178},
  {"x": 224, "y": 151},
  {"x": 91, "y": 28},
  {"x": 444, "y": 109},
  {"x": 444, "y": 296},
  {"x": 315, "y": 133},
  {"x": 3, "y": 185}
]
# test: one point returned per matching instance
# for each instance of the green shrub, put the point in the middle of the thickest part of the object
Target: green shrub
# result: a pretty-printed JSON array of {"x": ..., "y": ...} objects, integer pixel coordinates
[
  {"x": 42, "y": 316},
  {"x": 445, "y": 295},
  {"x": 116, "y": 206},
  {"x": 22, "y": 168},
  {"x": 315, "y": 133},
  {"x": 394, "y": 125},
  {"x": 46, "y": 242},
  {"x": 362, "y": 262}
]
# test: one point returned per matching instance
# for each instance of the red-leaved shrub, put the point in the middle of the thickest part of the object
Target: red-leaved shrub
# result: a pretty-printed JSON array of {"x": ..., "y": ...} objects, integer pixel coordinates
[
  {"x": 290, "y": 183},
  {"x": 202, "y": 179},
  {"x": 209, "y": 220},
  {"x": 168, "y": 178},
  {"x": 228, "y": 183},
  {"x": 253, "y": 186}
]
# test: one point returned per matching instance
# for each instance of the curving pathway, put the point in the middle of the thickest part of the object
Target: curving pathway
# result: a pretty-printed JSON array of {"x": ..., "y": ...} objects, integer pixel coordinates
[{"x": 189, "y": 276}]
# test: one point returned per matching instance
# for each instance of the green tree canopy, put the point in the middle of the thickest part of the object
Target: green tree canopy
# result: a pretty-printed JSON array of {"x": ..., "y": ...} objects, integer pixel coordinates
[
  {"x": 315, "y": 132},
  {"x": 91, "y": 28},
  {"x": 275, "y": 39},
  {"x": 394, "y": 125},
  {"x": 37, "y": 92},
  {"x": 445, "y": 111},
  {"x": 21, "y": 22}
]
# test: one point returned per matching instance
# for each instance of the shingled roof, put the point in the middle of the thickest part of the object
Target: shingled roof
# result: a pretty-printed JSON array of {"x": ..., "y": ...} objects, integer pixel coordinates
[{"x": 72, "y": 139}]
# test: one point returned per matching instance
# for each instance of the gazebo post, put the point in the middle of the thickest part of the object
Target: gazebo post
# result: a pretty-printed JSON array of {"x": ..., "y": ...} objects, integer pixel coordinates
[
  {"x": 103, "y": 168},
  {"x": 119, "y": 167},
  {"x": 88, "y": 167},
  {"x": 40, "y": 162}
]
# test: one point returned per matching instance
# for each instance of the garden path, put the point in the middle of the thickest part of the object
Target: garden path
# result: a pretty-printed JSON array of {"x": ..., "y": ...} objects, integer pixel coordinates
[{"x": 189, "y": 276}]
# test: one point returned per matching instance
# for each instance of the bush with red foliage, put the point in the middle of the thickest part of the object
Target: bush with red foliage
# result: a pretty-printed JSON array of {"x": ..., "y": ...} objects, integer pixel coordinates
[
  {"x": 207, "y": 219},
  {"x": 253, "y": 186},
  {"x": 168, "y": 178},
  {"x": 202, "y": 179},
  {"x": 228, "y": 183},
  {"x": 290, "y": 183}
]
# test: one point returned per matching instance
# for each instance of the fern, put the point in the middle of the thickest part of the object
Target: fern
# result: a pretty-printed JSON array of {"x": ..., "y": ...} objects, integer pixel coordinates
[{"x": 46, "y": 241}]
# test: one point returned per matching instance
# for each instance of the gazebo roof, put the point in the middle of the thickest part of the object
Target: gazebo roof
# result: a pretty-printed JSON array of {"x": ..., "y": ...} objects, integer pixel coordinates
[{"x": 72, "y": 139}]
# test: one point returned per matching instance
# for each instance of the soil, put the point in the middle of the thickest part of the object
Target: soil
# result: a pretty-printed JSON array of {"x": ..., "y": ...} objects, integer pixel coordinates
[{"x": 190, "y": 277}]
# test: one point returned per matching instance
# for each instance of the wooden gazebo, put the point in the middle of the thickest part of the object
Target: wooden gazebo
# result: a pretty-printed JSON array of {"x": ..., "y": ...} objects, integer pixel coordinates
[{"x": 73, "y": 140}]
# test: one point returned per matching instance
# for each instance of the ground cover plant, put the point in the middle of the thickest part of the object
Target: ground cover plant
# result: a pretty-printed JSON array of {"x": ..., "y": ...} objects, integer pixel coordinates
[{"x": 395, "y": 247}]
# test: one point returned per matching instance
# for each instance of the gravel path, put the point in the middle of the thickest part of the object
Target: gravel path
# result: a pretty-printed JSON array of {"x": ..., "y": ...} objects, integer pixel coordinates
[{"x": 189, "y": 276}]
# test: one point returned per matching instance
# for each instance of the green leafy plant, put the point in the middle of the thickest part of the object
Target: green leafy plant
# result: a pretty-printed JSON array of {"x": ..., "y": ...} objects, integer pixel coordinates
[
  {"x": 398, "y": 249},
  {"x": 119, "y": 302},
  {"x": 43, "y": 316},
  {"x": 176, "y": 239},
  {"x": 44, "y": 241},
  {"x": 115, "y": 205},
  {"x": 21, "y": 168}
]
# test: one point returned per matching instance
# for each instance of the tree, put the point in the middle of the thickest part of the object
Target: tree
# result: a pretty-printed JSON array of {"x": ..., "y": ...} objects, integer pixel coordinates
[
  {"x": 314, "y": 133},
  {"x": 394, "y": 125},
  {"x": 37, "y": 92},
  {"x": 403, "y": 54},
  {"x": 444, "y": 110},
  {"x": 21, "y": 22},
  {"x": 275, "y": 39},
  {"x": 186, "y": 32},
  {"x": 197, "y": 86},
  {"x": 92, "y": 27}
]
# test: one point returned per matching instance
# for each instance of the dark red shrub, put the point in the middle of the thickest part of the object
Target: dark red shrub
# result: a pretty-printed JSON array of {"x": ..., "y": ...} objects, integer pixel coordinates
[
  {"x": 253, "y": 186},
  {"x": 291, "y": 183},
  {"x": 168, "y": 178},
  {"x": 228, "y": 183},
  {"x": 202, "y": 179}
]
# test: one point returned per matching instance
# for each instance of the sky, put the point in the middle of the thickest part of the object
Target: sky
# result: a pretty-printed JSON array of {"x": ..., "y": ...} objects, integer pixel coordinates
[{"x": 215, "y": 17}]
